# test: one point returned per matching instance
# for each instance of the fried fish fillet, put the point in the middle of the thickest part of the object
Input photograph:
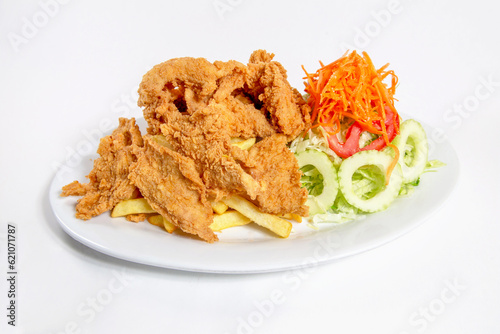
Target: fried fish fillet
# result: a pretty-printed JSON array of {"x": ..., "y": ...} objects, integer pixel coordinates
[
  {"x": 108, "y": 180},
  {"x": 194, "y": 108},
  {"x": 274, "y": 166},
  {"x": 204, "y": 138},
  {"x": 199, "y": 106},
  {"x": 172, "y": 186},
  {"x": 186, "y": 85},
  {"x": 267, "y": 82}
]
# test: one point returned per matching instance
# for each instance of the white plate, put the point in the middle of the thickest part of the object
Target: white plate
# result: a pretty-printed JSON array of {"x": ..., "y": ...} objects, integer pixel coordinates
[{"x": 250, "y": 249}]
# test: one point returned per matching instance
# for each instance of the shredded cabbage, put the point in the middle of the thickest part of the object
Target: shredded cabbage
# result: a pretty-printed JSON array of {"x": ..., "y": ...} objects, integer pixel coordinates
[
  {"x": 312, "y": 179},
  {"x": 432, "y": 165},
  {"x": 315, "y": 141}
]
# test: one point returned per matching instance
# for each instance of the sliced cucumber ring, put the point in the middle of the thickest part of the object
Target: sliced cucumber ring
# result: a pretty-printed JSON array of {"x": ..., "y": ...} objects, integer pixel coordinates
[
  {"x": 413, "y": 149},
  {"x": 369, "y": 192},
  {"x": 320, "y": 203}
]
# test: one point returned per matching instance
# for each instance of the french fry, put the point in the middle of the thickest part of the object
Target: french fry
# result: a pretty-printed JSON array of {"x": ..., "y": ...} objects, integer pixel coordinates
[
  {"x": 244, "y": 144},
  {"x": 279, "y": 226},
  {"x": 219, "y": 207},
  {"x": 131, "y": 206},
  {"x": 230, "y": 218},
  {"x": 168, "y": 226},
  {"x": 292, "y": 216},
  {"x": 158, "y": 220}
]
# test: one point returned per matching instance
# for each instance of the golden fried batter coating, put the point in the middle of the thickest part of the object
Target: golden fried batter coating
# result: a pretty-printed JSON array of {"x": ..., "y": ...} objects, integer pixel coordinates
[
  {"x": 109, "y": 183},
  {"x": 186, "y": 85},
  {"x": 267, "y": 82},
  {"x": 274, "y": 166},
  {"x": 194, "y": 108},
  {"x": 137, "y": 217},
  {"x": 199, "y": 117},
  {"x": 172, "y": 186}
]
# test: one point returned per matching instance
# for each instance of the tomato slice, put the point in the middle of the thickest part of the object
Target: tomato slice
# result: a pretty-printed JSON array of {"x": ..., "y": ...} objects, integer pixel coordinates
[
  {"x": 391, "y": 128},
  {"x": 351, "y": 144}
]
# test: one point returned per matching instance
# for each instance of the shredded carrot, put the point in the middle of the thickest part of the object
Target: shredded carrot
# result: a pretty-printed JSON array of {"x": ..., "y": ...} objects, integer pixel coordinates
[{"x": 350, "y": 90}]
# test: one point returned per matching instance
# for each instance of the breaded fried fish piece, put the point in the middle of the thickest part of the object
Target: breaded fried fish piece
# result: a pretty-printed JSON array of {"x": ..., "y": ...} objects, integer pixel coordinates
[
  {"x": 274, "y": 166},
  {"x": 172, "y": 186},
  {"x": 258, "y": 93},
  {"x": 108, "y": 181},
  {"x": 194, "y": 108},
  {"x": 266, "y": 81}
]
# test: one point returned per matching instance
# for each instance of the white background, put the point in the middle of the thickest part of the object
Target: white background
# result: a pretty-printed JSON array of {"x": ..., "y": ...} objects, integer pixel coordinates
[{"x": 65, "y": 67}]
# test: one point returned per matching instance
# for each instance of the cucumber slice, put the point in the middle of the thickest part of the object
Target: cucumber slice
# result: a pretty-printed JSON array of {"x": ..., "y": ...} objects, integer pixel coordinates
[
  {"x": 413, "y": 149},
  {"x": 362, "y": 180},
  {"x": 320, "y": 199}
]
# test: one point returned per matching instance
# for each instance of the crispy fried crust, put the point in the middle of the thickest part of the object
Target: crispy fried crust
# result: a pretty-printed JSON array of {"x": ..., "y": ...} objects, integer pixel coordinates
[
  {"x": 267, "y": 81},
  {"x": 172, "y": 186},
  {"x": 193, "y": 109},
  {"x": 198, "y": 119},
  {"x": 274, "y": 166},
  {"x": 109, "y": 183},
  {"x": 204, "y": 138},
  {"x": 75, "y": 188},
  {"x": 138, "y": 217},
  {"x": 186, "y": 85}
]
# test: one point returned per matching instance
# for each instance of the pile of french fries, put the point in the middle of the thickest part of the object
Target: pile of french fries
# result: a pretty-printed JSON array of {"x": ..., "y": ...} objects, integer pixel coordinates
[{"x": 230, "y": 212}]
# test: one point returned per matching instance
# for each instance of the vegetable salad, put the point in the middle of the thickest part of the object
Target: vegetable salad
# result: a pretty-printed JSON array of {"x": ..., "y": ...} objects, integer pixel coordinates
[{"x": 358, "y": 156}]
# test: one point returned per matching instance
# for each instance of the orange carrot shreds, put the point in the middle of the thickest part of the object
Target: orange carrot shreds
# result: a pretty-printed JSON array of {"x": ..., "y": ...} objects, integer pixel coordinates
[
  {"x": 351, "y": 87},
  {"x": 350, "y": 90}
]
